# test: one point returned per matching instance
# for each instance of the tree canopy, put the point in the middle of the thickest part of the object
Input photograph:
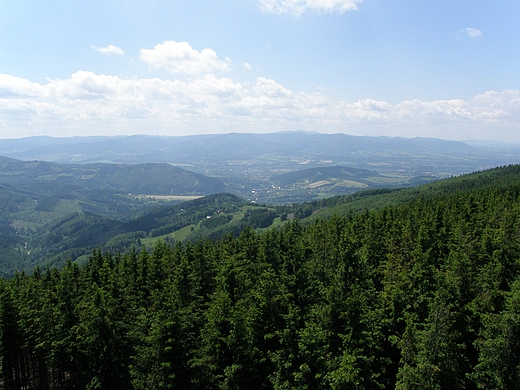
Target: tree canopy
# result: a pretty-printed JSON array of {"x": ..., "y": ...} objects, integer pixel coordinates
[{"x": 423, "y": 295}]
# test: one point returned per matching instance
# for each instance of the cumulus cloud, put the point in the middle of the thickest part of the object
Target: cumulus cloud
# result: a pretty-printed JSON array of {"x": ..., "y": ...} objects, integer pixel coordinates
[
  {"x": 88, "y": 103},
  {"x": 268, "y": 87},
  {"x": 497, "y": 99},
  {"x": 110, "y": 49},
  {"x": 13, "y": 87},
  {"x": 181, "y": 58},
  {"x": 298, "y": 7},
  {"x": 472, "y": 32}
]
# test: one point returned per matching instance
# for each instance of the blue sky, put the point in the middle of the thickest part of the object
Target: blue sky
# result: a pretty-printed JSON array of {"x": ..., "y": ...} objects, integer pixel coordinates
[{"x": 433, "y": 68}]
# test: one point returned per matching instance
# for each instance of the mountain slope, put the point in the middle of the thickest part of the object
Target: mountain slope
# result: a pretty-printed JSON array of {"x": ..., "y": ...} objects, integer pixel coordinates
[
  {"x": 424, "y": 294},
  {"x": 78, "y": 233},
  {"x": 150, "y": 178},
  {"x": 497, "y": 178},
  {"x": 61, "y": 228}
]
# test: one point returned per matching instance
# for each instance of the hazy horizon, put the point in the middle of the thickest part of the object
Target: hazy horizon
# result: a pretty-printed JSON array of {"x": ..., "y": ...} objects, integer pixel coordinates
[{"x": 470, "y": 142}]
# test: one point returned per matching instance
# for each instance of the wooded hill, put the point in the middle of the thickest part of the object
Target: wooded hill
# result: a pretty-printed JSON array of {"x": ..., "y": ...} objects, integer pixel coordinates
[
  {"x": 150, "y": 178},
  {"x": 45, "y": 224},
  {"x": 73, "y": 230},
  {"x": 49, "y": 211},
  {"x": 423, "y": 294}
]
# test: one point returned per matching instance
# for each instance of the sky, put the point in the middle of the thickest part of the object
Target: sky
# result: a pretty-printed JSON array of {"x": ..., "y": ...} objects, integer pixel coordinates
[{"x": 412, "y": 68}]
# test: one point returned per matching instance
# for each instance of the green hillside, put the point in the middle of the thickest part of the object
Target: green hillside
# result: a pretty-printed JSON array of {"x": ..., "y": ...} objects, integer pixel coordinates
[
  {"x": 49, "y": 212},
  {"x": 377, "y": 199},
  {"x": 420, "y": 292},
  {"x": 76, "y": 234},
  {"x": 151, "y": 178},
  {"x": 47, "y": 230}
]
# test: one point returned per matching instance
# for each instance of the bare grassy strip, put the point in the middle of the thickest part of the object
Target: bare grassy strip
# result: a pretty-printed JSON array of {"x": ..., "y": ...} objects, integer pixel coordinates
[
  {"x": 344, "y": 183},
  {"x": 319, "y": 184},
  {"x": 170, "y": 197}
]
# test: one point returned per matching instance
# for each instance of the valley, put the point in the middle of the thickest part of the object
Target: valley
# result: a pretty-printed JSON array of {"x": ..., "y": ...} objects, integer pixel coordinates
[
  {"x": 202, "y": 187},
  {"x": 249, "y": 165}
]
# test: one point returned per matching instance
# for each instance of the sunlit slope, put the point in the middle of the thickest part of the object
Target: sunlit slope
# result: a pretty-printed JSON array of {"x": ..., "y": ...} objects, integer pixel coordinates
[{"x": 498, "y": 179}]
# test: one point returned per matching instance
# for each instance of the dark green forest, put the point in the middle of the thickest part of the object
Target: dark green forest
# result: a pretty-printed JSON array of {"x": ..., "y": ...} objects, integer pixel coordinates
[{"x": 420, "y": 295}]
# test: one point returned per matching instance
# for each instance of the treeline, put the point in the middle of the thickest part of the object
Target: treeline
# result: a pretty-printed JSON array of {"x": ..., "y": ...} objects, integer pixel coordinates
[{"x": 425, "y": 295}]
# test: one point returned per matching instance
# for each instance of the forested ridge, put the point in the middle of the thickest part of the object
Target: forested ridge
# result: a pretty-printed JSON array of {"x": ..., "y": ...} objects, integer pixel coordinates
[{"x": 421, "y": 295}]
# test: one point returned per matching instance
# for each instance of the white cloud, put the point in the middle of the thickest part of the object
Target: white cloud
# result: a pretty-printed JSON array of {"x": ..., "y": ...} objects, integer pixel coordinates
[
  {"x": 247, "y": 66},
  {"x": 16, "y": 87},
  {"x": 298, "y": 7},
  {"x": 267, "y": 87},
  {"x": 497, "y": 99},
  {"x": 110, "y": 49},
  {"x": 89, "y": 103},
  {"x": 473, "y": 32},
  {"x": 181, "y": 58}
]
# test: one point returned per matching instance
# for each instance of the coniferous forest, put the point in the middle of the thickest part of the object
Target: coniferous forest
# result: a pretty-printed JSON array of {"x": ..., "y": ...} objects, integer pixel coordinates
[{"x": 421, "y": 295}]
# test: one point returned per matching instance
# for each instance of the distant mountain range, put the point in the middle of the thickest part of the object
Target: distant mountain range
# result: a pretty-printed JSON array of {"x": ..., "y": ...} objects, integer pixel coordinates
[
  {"x": 233, "y": 146},
  {"x": 252, "y": 165}
]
